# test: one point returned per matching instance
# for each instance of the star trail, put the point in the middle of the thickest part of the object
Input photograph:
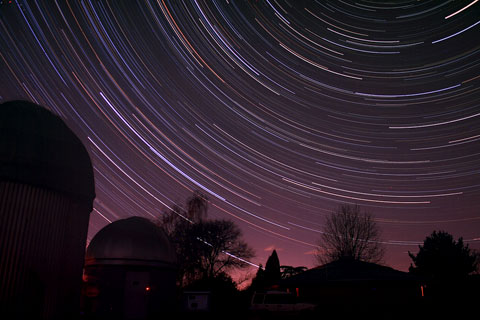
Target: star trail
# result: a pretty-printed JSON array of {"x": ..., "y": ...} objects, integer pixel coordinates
[{"x": 279, "y": 111}]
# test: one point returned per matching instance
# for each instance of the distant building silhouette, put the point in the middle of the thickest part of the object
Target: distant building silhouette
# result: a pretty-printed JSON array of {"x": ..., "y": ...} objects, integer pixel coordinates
[
  {"x": 46, "y": 195},
  {"x": 355, "y": 283},
  {"x": 130, "y": 272}
]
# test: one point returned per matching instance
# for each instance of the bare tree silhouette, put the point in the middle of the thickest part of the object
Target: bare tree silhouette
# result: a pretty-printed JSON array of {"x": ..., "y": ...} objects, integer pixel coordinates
[
  {"x": 350, "y": 233},
  {"x": 205, "y": 248},
  {"x": 197, "y": 206}
]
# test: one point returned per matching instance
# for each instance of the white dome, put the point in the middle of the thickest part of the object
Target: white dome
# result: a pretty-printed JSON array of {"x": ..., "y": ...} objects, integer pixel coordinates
[{"x": 131, "y": 241}]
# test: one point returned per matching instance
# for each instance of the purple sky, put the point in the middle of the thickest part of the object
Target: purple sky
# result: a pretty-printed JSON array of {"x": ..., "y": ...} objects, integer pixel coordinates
[{"x": 278, "y": 110}]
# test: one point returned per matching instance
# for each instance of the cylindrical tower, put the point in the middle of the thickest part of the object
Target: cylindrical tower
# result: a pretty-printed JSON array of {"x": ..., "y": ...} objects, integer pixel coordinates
[
  {"x": 130, "y": 272},
  {"x": 46, "y": 196}
]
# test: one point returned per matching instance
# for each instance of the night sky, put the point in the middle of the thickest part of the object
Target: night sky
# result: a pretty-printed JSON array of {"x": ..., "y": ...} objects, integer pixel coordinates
[{"x": 279, "y": 111}]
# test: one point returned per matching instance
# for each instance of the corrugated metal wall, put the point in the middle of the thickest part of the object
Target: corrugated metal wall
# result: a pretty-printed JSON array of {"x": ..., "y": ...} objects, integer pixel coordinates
[{"x": 42, "y": 246}]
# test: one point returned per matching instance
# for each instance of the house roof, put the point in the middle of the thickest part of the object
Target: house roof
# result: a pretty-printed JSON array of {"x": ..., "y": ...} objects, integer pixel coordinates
[{"x": 347, "y": 271}]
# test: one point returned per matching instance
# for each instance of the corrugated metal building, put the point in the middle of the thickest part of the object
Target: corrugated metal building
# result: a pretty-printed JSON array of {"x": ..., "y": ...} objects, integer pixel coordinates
[{"x": 46, "y": 196}]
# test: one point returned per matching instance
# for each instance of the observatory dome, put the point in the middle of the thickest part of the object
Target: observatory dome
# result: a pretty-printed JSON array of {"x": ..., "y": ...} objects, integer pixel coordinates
[
  {"x": 46, "y": 195},
  {"x": 37, "y": 148},
  {"x": 131, "y": 241}
]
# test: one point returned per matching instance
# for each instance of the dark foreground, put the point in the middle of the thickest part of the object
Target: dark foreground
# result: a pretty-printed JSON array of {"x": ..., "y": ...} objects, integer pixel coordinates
[{"x": 351, "y": 312}]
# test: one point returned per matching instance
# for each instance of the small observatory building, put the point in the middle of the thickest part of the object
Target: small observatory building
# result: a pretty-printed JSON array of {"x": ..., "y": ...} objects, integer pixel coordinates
[
  {"x": 130, "y": 272},
  {"x": 46, "y": 195}
]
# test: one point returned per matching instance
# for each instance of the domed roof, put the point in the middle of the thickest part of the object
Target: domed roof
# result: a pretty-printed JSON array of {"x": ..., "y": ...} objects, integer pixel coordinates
[
  {"x": 37, "y": 148},
  {"x": 131, "y": 241}
]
